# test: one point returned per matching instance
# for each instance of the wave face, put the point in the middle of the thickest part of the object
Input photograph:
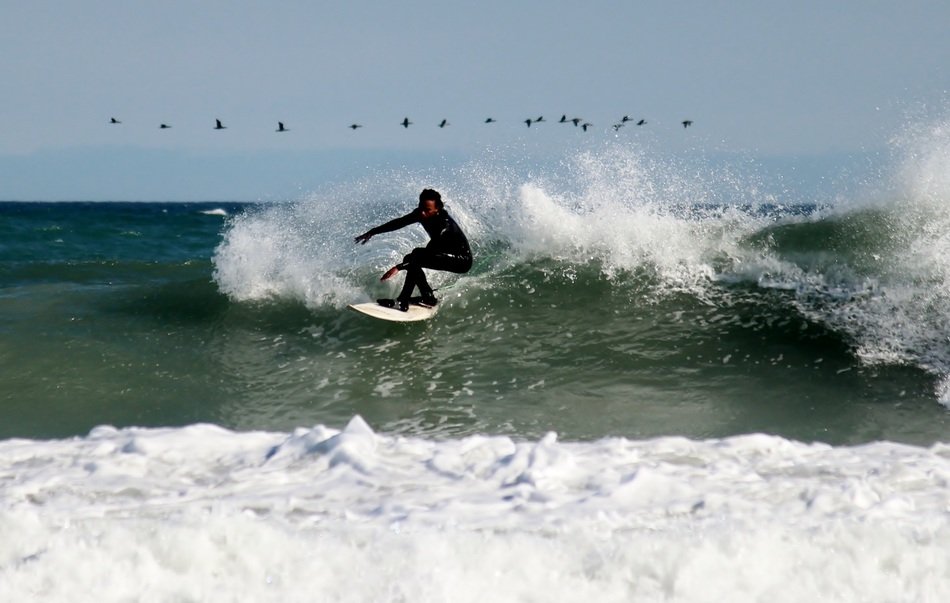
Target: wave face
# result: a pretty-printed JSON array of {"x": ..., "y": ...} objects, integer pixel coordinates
[{"x": 626, "y": 253}]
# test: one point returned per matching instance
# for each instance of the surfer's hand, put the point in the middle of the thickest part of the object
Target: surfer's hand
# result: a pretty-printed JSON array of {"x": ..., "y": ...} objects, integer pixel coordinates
[
  {"x": 389, "y": 273},
  {"x": 363, "y": 238}
]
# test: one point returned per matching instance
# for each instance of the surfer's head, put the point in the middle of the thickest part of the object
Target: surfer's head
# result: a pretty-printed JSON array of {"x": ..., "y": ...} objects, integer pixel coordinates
[
  {"x": 429, "y": 194},
  {"x": 430, "y": 202}
]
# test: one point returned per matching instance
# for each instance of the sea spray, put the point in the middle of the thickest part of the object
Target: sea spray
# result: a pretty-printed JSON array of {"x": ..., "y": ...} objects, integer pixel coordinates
[
  {"x": 892, "y": 296},
  {"x": 615, "y": 207}
]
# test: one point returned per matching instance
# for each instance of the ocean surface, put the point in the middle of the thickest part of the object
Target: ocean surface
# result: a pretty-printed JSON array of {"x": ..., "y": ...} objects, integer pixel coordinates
[{"x": 661, "y": 381}]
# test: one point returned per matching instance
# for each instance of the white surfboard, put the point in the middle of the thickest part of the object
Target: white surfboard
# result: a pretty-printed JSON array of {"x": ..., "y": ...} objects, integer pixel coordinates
[{"x": 414, "y": 313}]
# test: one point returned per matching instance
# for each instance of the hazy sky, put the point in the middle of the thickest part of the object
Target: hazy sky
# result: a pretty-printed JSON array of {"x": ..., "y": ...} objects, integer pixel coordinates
[{"x": 765, "y": 77}]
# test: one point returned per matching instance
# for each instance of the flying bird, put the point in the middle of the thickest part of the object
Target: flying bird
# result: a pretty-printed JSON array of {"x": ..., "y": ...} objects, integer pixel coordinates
[
  {"x": 528, "y": 122},
  {"x": 218, "y": 125},
  {"x": 281, "y": 128},
  {"x": 164, "y": 127},
  {"x": 625, "y": 119},
  {"x": 641, "y": 122},
  {"x": 443, "y": 123},
  {"x": 587, "y": 125},
  {"x": 618, "y": 126},
  {"x": 539, "y": 120},
  {"x": 563, "y": 119},
  {"x": 405, "y": 123},
  {"x": 490, "y": 120},
  {"x": 355, "y": 126},
  {"x": 687, "y": 123},
  {"x": 114, "y": 121},
  {"x": 577, "y": 121}
]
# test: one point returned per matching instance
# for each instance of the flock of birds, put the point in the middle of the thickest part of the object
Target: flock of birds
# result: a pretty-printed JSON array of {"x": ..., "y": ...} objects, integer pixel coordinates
[{"x": 405, "y": 123}]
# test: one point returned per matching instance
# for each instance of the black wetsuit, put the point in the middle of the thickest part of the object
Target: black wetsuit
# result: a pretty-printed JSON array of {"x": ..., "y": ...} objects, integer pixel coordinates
[{"x": 447, "y": 250}]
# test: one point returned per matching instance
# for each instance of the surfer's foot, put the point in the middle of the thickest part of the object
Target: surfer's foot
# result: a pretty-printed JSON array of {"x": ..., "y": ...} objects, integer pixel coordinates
[
  {"x": 398, "y": 304},
  {"x": 424, "y": 300}
]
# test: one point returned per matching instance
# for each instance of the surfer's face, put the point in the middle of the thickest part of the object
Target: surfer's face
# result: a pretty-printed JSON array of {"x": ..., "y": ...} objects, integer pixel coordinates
[{"x": 428, "y": 208}]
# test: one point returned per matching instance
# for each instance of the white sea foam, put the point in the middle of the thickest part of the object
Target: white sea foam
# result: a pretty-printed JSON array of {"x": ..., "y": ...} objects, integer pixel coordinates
[
  {"x": 202, "y": 513},
  {"x": 629, "y": 231}
]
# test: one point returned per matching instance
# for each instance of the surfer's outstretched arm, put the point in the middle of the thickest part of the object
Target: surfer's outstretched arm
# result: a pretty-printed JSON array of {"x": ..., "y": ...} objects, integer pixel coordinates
[{"x": 410, "y": 218}]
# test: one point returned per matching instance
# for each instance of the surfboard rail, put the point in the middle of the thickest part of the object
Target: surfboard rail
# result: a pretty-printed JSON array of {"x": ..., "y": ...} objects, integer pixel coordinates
[{"x": 415, "y": 312}]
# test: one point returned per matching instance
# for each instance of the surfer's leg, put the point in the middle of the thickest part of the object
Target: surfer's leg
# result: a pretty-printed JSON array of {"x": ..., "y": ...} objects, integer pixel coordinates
[
  {"x": 422, "y": 257},
  {"x": 415, "y": 277},
  {"x": 425, "y": 290},
  {"x": 440, "y": 261},
  {"x": 425, "y": 258},
  {"x": 447, "y": 262}
]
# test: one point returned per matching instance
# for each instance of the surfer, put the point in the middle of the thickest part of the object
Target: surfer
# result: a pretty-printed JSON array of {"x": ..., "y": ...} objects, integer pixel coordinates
[{"x": 447, "y": 249}]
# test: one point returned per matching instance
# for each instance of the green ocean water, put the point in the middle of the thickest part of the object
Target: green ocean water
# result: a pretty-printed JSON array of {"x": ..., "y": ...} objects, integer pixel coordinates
[{"x": 758, "y": 319}]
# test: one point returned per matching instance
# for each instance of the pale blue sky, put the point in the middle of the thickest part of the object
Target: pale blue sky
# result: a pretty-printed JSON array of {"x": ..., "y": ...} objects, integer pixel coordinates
[{"x": 770, "y": 78}]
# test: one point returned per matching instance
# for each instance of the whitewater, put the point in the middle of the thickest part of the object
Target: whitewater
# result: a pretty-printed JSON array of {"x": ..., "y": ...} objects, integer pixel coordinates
[{"x": 201, "y": 513}]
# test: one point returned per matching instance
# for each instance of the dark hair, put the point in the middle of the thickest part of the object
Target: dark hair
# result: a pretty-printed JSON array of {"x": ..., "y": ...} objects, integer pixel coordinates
[{"x": 429, "y": 194}]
